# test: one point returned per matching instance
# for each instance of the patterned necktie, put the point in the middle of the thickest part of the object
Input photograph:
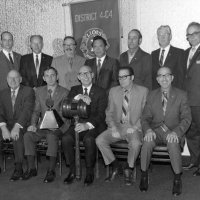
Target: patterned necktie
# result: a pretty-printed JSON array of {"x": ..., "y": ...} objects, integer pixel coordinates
[
  {"x": 70, "y": 60},
  {"x": 10, "y": 58},
  {"x": 164, "y": 101},
  {"x": 191, "y": 54},
  {"x": 37, "y": 65},
  {"x": 98, "y": 67},
  {"x": 125, "y": 108},
  {"x": 13, "y": 98},
  {"x": 86, "y": 91},
  {"x": 161, "y": 58}
]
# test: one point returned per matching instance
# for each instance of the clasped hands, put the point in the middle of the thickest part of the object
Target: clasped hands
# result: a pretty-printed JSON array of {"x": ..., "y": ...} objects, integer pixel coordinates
[
  {"x": 13, "y": 134},
  {"x": 85, "y": 98},
  {"x": 151, "y": 135},
  {"x": 80, "y": 127}
]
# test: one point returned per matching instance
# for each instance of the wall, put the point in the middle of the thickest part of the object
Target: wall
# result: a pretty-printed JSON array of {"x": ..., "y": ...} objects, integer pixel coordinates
[{"x": 50, "y": 19}]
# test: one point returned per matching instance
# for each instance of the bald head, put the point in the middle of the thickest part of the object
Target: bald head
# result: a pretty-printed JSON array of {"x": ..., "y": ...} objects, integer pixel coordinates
[
  {"x": 85, "y": 75},
  {"x": 14, "y": 79}
]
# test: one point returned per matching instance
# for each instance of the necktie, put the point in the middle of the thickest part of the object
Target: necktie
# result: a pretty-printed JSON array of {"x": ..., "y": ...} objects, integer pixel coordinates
[
  {"x": 13, "y": 98},
  {"x": 85, "y": 91},
  {"x": 98, "y": 67},
  {"x": 191, "y": 54},
  {"x": 50, "y": 93},
  {"x": 70, "y": 60},
  {"x": 161, "y": 58},
  {"x": 10, "y": 58},
  {"x": 37, "y": 65},
  {"x": 125, "y": 108},
  {"x": 164, "y": 101}
]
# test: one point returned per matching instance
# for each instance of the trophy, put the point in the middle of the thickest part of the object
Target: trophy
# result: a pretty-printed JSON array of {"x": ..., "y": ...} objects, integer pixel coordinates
[{"x": 51, "y": 119}]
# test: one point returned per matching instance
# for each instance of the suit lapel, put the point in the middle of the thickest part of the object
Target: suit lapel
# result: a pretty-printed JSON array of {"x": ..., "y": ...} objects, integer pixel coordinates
[
  {"x": 168, "y": 58},
  {"x": 9, "y": 64},
  {"x": 170, "y": 102},
  {"x": 92, "y": 91},
  {"x": 126, "y": 59},
  {"x": 32, "y": 69},
  {"x": 194, "y": 58},
  {"x": 18, "y": 98},
  {"x": 8, "y": 99},
  {"x": 159, "y": 105}
]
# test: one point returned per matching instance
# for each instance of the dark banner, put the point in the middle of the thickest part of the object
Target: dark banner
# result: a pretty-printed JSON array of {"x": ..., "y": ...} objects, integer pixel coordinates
[{"x": 93, "y": 18}]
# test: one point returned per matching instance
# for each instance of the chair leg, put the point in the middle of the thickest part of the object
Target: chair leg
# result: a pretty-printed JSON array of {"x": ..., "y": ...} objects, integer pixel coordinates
[
  {"x": 60, "y": 161},
  {"x": 97, "y": 164},
  {"x": 4, "y": 162},
  {"x": 107, "y": 170},
  {"x": 36, "y": 161},
  {"x": 135, "y": 173}
]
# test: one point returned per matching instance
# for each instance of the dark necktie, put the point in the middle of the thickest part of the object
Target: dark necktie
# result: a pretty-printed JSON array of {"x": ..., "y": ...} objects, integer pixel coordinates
[
  {"x": 50, "y": 93},
  {"x": 98, "y": 67},
  {"x": 85, "y": 91},
  {"x": 37, "y": 65},
  {"x": 70, "y": 60},
  {"x": 161, "y": 58},
  {"x": 10, "y": 58},
  {"x": 125, "y": 108},
  {"x": 164, "y": 101},
  {"x": 13, "y": 98}
]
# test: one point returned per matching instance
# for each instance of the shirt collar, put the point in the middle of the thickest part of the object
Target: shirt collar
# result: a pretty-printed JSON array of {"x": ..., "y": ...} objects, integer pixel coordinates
[
  {"x": 39, "y": 55},
  {"x": 88, "y": 88},
  {"x": 166, "y": 48},
  {"x": 196, "y": 47},
  {"x": 6, "y": 52},
  {"x": 102, "y": 59},
  {"x": 16, "y": 91}
]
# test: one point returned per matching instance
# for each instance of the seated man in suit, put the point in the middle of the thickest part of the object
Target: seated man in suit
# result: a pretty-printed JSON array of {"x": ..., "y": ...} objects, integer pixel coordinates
[
  {"x": 105, "y": 68},
  {"x": 165, "y": 119},
  {"x": 137, "y": 59},
  {"x": 125, "y": 106},
  {"x": 68, "y": 64},
  {"x": 16, "y": 107},
  {"x": 8, "y": 58},
  {"x": 88, "y": 129},
  {"x": 32, "y": 66},
  {"x": 167, "y": 56},
  {"x": 57, "y": 93}
]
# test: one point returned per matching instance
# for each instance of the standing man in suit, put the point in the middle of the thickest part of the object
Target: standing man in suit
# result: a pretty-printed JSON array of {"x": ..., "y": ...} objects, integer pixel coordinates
[
  {"x": 137, "y": 59},
  {"x": 125, "y": 106},
  {"x": 32, "y": 66},
  {"x": 16, "y": 107},
  {"x": 68, "y": 65},
  {"x": 165, "y": 120},
  {"x": 57, "y": 93},
  {"x": 192, "y": 86},
  {"x": 105, "y": 68},
  {"x": 167, "y": 56},
  {"x": 8, "y": 59},
  {"x": 89, "y": 128}
]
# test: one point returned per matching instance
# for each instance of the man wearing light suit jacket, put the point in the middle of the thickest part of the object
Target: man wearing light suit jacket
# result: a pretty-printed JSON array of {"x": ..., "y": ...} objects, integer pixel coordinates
[
  {"x": 165, "y": 120},
  {"x": 32, "y": 66},
  {"x": 173, "y": 58},
  {"x": 120, "y": 129},
  {"x": 8, "y": 59}
]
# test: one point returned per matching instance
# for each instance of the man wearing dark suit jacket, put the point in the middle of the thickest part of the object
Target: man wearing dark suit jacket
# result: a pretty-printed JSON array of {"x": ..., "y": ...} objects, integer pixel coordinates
[
  {"x": 167, "y": 56},
  {"x": 138, "y": 60},
  {"x": 8, "y": 59},
  {"x": 16, "y": 107},
  {"x": 165, "y": 120},
  {"x": 89, "y": 128},
  {"x": 32, "y": 66},
  {"x": 105, "y": 68},
  {"x": 52, "y": 91},
  {"x": 192, "y": 86}
]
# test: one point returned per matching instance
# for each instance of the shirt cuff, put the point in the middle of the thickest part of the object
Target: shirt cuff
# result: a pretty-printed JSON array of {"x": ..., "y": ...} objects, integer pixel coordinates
[
  {"x": 19, "y": 125},
  {"x": 90, "y": 125},
  {"x": 77, "y": 97},
  {"x": 2, "y": 124}
]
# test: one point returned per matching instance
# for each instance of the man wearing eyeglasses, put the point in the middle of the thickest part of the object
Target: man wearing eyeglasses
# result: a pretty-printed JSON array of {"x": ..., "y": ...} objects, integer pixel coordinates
[
  {"x": 68, "y": 65},
  {"x": 192, "y": 86},
  {"x": 168, "y": 56},
  {"x": 89, "y": 128},
  {"x": 165, "y": 120},
  {"x": 123, "y": 114}
]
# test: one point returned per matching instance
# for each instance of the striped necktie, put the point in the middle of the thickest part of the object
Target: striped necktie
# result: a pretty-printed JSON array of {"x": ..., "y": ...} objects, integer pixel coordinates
[
  {"x": 125, "y": 108},
  {"x": 10, "y": 57},
  {"x": 98, "y": 67},
  {"x": 161, "y": 58},
  {"x": 164, "y": 101},
  {"x": 13, "y": 98}
]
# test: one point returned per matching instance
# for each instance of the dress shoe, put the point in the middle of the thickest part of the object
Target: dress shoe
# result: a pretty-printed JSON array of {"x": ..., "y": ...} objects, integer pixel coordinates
[
  {"x": 70, "y": 178},
  {"x": 17, "y": 175},
  {"x": 144, "y": 183},
  {"x": 29, "y": 173},
  {"x": 197, "y": 172},
  {"x": 177, "y": 187},
  {"x": 188, "y": 167},
  {"x": 50, "y": 176},
  {"x": 128, "y": 177},
  {"x": 112, "y": 176},
  {"x": 89, "y": 179}
]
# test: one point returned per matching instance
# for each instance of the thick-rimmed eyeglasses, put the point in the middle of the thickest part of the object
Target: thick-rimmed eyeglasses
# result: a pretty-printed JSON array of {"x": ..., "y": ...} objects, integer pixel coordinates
[
  {"x": 83, "y": 74},
  {"x": 164, "y": 75},
  {"x": 123, "y": 77},
  {"x": 192, "y": 34}
]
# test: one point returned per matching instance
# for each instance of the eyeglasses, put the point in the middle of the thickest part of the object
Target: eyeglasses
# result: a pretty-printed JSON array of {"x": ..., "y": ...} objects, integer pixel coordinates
[
  {"x": 123, "y": 77},
  {"x": 68, "y": 45},
  {"x": 192, "y": 34},
  {"x": 83, "y": 74},
  {"x": 164, "y": 75}
]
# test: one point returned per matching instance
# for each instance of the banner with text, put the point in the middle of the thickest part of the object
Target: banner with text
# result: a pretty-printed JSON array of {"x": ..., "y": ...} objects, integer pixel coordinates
[{"x": 93, "y": 18}]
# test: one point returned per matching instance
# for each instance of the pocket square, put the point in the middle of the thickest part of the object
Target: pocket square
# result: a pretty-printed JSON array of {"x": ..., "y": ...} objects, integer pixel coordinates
[{"x": 198, "y": 62}]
